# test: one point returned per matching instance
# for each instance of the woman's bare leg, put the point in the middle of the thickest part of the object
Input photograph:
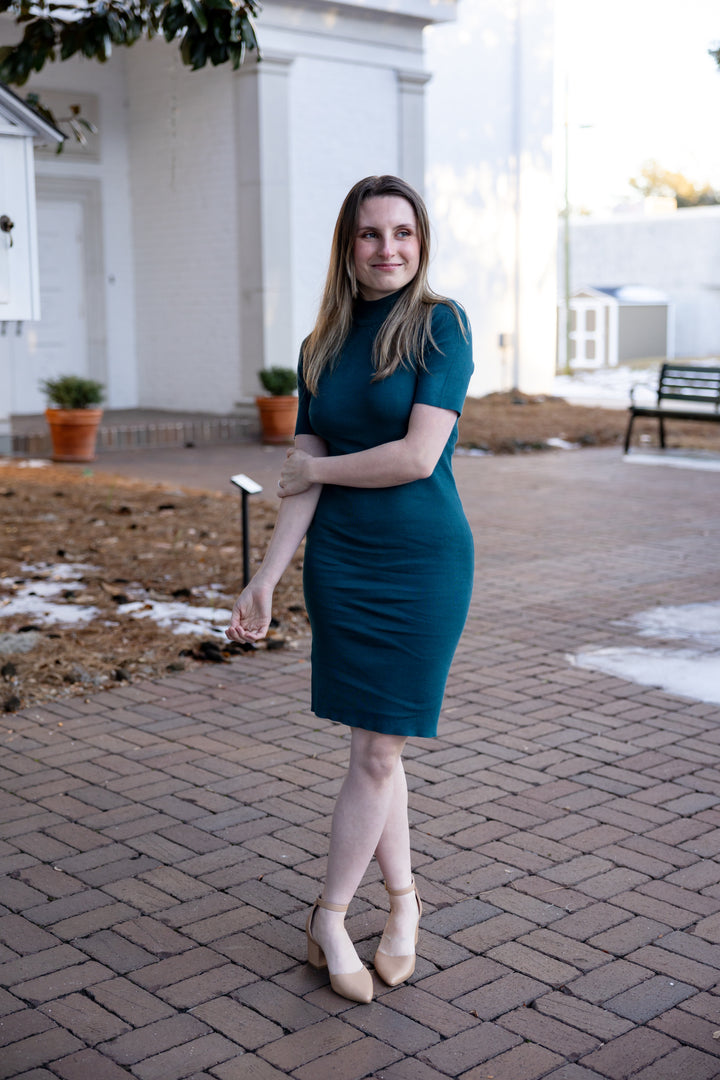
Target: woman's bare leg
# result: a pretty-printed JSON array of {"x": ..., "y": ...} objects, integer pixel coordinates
[
  {"x": 393, "y": 849},
  {"x": 359, "y": 821},
  {"x": 393, "y": 855}
]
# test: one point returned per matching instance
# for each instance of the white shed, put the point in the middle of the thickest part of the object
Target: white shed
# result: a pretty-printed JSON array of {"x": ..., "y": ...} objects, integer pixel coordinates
[
  {"x": 677, "y": 253},
  {"x": 20, "y": 127},
  {"x": 615, "y": 325}
]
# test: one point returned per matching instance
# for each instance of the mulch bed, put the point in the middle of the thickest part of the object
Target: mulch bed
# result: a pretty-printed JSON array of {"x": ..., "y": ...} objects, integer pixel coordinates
[
  {"x": 134, "y": 540},
  {"x": 512, "y": 422}
]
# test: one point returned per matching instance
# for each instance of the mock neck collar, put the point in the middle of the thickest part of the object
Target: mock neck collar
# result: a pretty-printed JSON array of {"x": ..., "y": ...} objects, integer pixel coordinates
[{"x": 375, "y": 311}]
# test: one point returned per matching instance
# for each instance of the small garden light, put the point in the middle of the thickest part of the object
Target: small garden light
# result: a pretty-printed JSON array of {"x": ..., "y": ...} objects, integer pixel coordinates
[{"x": 247, "y": 487}]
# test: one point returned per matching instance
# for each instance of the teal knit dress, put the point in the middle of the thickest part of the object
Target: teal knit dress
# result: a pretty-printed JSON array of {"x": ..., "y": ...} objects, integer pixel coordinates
[{"x": 387, "y": 571}]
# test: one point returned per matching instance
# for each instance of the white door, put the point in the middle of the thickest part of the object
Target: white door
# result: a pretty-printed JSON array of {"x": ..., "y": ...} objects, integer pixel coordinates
[
  {"x": 58, "y": 343},
  {"x": 587, "y": 334}
]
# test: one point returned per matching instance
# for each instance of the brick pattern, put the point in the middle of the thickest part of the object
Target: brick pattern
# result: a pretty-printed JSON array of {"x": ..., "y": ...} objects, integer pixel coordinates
[{"x": 160, "y": 842}]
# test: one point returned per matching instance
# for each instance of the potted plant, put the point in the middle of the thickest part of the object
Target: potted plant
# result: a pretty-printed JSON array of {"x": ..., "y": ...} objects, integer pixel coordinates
[
  {"x": 72, "y": 417},
  {"x": 278, "y": 408}
]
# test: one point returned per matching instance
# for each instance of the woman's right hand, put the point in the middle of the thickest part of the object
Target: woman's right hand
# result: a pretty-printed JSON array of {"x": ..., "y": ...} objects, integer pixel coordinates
[
  {"x": 251, "y": 614},
  {"x": 293, "y": 476}
]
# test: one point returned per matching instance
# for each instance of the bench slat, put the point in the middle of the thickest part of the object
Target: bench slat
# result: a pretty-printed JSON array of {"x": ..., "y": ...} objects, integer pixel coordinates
[
  {"x": 691, "y": 384},
  {"x": 710, "y": 397}
]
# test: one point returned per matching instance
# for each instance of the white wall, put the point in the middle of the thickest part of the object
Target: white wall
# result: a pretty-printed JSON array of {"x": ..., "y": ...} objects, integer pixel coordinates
[
  {"x": 678, "y": 253},
  {"x": 183, "y": 180},
  {"x": 337, "y": 138},
  {"x": 111, "y": 173},
  {"x": 490, "y": 184}
]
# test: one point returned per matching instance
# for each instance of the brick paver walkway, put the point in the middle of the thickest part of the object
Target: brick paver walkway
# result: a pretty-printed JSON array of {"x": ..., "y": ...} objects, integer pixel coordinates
[{"x": 161, "y": 843}]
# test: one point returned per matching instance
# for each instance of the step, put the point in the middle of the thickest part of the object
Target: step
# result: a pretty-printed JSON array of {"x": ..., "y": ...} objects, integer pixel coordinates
[{"x": 141, "y": 432}]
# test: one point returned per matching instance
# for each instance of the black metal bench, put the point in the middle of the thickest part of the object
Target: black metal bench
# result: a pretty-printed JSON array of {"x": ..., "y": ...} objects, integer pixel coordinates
[{"x": 683, "y": 383}]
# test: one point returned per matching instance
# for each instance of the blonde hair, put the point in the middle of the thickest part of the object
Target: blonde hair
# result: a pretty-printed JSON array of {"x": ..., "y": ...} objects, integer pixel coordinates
[{"x": 406, "y": 332}]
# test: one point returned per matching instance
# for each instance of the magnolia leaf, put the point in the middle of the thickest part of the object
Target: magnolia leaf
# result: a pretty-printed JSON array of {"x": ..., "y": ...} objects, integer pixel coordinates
[{"x": 199, "y": 14}]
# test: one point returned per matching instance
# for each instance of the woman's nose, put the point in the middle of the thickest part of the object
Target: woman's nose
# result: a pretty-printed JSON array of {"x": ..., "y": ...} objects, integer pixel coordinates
[{"x": 386, "y": 245}]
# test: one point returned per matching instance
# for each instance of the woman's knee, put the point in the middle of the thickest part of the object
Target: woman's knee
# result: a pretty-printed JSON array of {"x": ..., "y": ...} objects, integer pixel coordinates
[{"x": 376, "y": 755}]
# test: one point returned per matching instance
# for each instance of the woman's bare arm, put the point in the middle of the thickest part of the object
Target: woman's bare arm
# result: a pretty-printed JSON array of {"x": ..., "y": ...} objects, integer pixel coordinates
[
  {"x": 253, "y": 609},
  {"x": 413, "y": 457}
]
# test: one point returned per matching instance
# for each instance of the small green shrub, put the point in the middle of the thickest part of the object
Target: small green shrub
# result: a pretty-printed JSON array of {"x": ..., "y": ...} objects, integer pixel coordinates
[
  {"x": 72, "y": 392},
  {"x": 278, "y": 381}
]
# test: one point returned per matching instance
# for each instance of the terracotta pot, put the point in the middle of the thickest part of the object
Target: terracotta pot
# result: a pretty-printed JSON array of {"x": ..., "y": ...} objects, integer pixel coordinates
[
  {"x": 73, "y": 433},
  {"x": 277, "y": 418}
]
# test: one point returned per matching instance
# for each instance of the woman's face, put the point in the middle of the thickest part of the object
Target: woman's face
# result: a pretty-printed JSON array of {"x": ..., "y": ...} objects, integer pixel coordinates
[{"x": 387, "y": 246}]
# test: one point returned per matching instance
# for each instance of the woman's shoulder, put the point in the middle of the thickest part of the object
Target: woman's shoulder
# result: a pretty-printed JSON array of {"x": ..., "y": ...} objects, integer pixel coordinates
[
  {"x": 448, "y": 314},
  {"x": 447, "y": 363},
  {"x": 450, "y": 325},
  {"x": 450, "y": 344}
]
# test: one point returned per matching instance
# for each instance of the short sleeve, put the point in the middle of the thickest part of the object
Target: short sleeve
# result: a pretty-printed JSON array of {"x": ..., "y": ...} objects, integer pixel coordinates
[
  {"x": 303, "y": 425},
  {"x": 448, "y": 364}
]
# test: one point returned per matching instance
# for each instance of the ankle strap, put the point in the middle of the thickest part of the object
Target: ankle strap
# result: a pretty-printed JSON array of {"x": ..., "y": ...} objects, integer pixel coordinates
[
  {"x": 330, "y": 907},
  {"x": 401, "y": 892}
]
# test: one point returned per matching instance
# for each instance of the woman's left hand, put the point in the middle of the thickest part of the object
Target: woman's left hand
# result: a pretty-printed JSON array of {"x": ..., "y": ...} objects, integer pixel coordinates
[{"x": 294, "y": 475}]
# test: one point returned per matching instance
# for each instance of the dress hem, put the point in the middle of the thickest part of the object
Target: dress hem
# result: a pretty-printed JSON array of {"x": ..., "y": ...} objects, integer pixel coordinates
[{"x": 388, "y": 728}]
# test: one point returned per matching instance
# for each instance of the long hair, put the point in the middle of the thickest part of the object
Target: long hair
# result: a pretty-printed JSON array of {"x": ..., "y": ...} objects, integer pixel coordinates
[{"x": 406, "y": 332}]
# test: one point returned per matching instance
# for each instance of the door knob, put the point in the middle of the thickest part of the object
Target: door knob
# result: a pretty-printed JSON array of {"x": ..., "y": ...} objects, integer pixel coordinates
[{"x": 7, "y": 225}]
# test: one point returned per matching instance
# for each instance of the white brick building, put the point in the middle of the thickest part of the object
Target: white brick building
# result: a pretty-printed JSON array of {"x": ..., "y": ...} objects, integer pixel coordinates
[{"x": 186, "y": 247}]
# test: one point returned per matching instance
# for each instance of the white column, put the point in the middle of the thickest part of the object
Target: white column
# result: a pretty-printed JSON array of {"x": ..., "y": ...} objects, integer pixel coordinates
[
  {"x": 670, "y": 331},
  {"x": 536, "y": 221},
  {"x": 6, "y": 360},
  {"x": 262, "y": 134},
  {"x": 411, "y": 135},
  {"x": 613, "y": 335}
]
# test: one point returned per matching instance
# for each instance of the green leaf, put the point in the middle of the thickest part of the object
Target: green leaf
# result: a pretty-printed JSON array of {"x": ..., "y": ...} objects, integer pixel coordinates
[{"x": 199, "y": 14}]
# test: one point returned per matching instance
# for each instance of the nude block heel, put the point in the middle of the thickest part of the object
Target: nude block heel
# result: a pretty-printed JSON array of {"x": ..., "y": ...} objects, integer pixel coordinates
[
  {"x": 316, "y": 957},
  {"x": 353, "y": 985},
  {"x": 394, "y": 970}
]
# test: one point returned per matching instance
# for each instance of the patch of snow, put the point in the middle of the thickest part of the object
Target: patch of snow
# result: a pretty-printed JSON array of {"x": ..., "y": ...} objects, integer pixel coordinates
[
  {"x": 562, "y": 444},
  {"x": 29, "y": 463},
  {"x": 213, "y": 593},
  {"x": 41, "y": 601},
  {"x": 608, "y": 387},
  {"x": 687, "y": 672},
  {"x": 40, "y": 598},
  {"x": 694, "y": 622},
  {"x": 58, "y": 571},
  {"x": 178, "y": 617},
  {"x": 690, "y": 672},
  {"x": 676, "y": 459}
]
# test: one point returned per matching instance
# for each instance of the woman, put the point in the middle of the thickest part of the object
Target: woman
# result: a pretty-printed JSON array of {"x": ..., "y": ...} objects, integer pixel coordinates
[{"x": 389, "y": 555}]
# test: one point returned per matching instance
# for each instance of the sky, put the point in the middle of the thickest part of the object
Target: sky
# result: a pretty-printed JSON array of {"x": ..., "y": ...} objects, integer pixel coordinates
[{"x": 641, "y": 86}]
